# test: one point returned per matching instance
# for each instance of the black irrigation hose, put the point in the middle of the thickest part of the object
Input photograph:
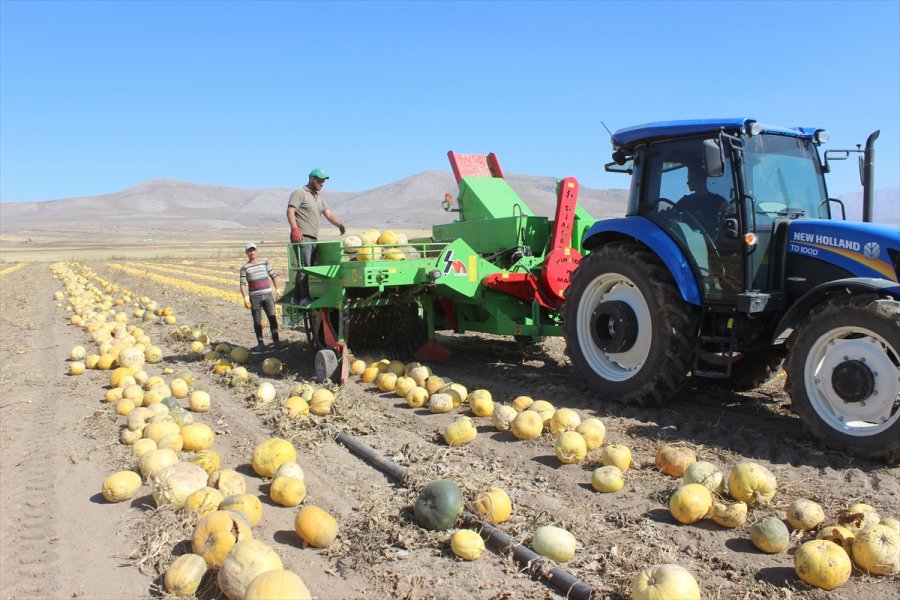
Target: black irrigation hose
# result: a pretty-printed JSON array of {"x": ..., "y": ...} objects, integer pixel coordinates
[{"x": 562, "y": 580}]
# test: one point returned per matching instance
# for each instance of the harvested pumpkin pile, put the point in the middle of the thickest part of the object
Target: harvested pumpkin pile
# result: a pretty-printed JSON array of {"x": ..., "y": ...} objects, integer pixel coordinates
[{"x": 198, "y": 468}]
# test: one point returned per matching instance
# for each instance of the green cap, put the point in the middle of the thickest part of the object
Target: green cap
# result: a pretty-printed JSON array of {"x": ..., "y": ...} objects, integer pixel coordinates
[{"x": 319, "y": 173}]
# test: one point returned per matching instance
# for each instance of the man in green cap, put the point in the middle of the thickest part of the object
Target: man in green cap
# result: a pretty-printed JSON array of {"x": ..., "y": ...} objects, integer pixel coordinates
[{"x": 304, "y": 208}]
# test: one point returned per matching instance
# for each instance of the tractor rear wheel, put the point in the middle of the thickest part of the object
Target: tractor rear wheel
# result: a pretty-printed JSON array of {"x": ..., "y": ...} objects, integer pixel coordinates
[
  {"x": 844, "y": 375},
  {"x": 627, "y": 328}
]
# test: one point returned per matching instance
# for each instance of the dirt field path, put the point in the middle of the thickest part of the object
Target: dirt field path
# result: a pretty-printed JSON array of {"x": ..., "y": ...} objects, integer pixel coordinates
[{"x": 59, "y": 440}]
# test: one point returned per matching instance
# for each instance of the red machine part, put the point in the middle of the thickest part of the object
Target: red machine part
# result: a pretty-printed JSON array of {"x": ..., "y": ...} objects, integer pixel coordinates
[
  {"x": 474, "y": 165},
  {"x": 559, "y": 263}
]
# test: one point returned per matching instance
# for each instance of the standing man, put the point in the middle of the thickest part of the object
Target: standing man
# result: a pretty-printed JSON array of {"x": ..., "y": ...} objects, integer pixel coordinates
[
  {"x": 304, "y": 208},
  {"x": 258, "y": 294}
]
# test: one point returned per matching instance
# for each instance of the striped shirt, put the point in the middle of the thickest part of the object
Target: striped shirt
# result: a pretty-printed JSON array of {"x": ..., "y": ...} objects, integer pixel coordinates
[{"x": 255, "y": 275}]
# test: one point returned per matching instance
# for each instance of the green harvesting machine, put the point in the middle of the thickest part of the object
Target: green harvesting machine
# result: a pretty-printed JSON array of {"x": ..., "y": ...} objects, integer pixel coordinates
[{"x": 498, "y": 268}]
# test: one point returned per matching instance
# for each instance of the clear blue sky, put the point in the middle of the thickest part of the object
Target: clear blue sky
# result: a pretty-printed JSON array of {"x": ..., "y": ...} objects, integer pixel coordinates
[{"x": 99, "y": 96}]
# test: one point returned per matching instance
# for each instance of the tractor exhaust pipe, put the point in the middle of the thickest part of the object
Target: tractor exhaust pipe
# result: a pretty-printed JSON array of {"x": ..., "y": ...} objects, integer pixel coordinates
[{"x": 868, "y": 177}]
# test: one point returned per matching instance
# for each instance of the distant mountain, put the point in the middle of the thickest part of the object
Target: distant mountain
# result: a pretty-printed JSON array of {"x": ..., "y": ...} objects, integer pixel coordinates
[{"x": 413, "y": 202}]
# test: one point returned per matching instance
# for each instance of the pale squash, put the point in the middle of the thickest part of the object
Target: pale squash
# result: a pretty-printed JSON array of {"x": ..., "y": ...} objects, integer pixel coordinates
[
  {"x": 245, "y": 562},
  {"x": 183, "y": 576},
  {"x": 277, "y": 584}
]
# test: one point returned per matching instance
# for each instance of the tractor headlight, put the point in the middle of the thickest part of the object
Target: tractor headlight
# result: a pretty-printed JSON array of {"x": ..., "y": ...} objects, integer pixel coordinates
[{"x": 822, "y": 137}]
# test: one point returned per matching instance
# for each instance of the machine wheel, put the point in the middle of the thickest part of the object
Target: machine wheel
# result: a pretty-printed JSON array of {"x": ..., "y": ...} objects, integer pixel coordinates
[
  {"x": 327, "y": 366},
  {"x": 749, "y": 370},
  {"x": 627, "y": 329},
  {"x": 844, "y": 375}
]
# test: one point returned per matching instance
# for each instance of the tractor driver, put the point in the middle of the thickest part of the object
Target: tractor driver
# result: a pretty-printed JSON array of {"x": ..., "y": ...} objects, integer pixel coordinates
[{"x": 705, "y": 207}]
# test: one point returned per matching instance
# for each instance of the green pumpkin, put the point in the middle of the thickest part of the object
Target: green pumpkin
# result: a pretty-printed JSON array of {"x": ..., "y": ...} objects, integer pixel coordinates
[
  {"x": 439, "y": 505},
  {"x": 170, "y": 403},
  {"x": 770, "y": 535}
]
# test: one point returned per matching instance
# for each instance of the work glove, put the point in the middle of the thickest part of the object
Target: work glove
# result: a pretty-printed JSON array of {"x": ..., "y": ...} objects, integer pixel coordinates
[
  {"x": 246, "y": 301},
  {"x": 296, "y": 235},
  {"x": 341, "y": 228}
]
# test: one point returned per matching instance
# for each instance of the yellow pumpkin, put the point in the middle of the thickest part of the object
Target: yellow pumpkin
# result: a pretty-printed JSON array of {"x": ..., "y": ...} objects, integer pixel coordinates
[
  {"x": 315, "y": 526},
  {"x": 180, "y": 388},
  {"x": 417, "y": 397},
  {"x": 805, "y": 515},
  {"x": 228, "y": 481},
  {"x": 876, "y": 550},
  {"x": 204, "y": 501},
  {"x": 493, "y": 504},
  {"x": 370, "y": 374},
  {"x": 142, "y": 447},
  {"x": 287, "y": 491},
  {"x": 123, "y": 407},
  {"x": 729, "y": 515},
  {"x": 208, "y": 459},
  {"x": 184, "y": 575},
  {"x": 616, "y": 454},
  {"x": 403, "y": 385},
  {"x": 197, "y": 436},
  {"x": 690, "y": 503},
  {"x": 675, "y": 460},
  {"x": 217, "y": 533},
  {"x": 420, "y": 375},
  {"x": 460, "y": 432},
  {"x": 466, "y": 544},
  {"x": 76, "y": 368},
  {"x": 173, "y": 441},
  {"x": 121, "y": 486},
  {"x": 159, "y": 429},
  {"x": 607, "y": 479},
  {"x": 357, "y": 367},
  {"x": 593, "y": 431},
  {"x": 295, "y": 406},
  {"x": 521, "y": 403},
  {"x": 156, "y": 460},
  {"x": 290, "y": 469},
  {"x": 456, "y": 391},
  {"x": 858, "y": 517},
  {"x": 751, "y": 483},
  {"x": 271, "y": 454},
  {"x": 840, "y": 535},
  {"x": 199, "y": 401},
  {"x": 433, "y": 383},
  {"x": 527, "y": 425},
  {"x": 545, "y": 409},
  {"x": 321, "y": 402},
  {"x": 665, "y": 581},
  {"x": 564, "y": 419},
  {"x": 823, "y": 564},
  {"x": 277, "y": 584},
  {"x": 245, "y": 562},
  {"x": 244, "y": 503},
  {"x": 386, "y": 381},
  {"x": 570, "y": 447},
  {"x": 481, "y": 405}
]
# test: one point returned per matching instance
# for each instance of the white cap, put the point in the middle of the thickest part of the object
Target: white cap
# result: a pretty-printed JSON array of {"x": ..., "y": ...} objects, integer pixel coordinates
[{"x": 250, "y": 246}]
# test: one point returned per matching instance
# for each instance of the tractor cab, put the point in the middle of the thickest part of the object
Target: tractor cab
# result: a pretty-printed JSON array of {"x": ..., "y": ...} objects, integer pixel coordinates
[{"x": 721, "y": 190}]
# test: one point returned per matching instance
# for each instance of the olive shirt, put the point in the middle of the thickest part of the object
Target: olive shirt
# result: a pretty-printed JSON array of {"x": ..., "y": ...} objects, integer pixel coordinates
[{"x": 307, "y": 208}]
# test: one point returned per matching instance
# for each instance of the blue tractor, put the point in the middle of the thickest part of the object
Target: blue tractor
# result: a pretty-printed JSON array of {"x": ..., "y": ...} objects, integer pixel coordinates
[{"x": 733, "y": 261}]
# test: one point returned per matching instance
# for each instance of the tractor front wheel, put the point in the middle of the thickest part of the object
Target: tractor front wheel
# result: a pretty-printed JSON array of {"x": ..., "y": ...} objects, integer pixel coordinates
[
  {"x": 843, "y": 370},
  {"x": 627, "y": 329}
]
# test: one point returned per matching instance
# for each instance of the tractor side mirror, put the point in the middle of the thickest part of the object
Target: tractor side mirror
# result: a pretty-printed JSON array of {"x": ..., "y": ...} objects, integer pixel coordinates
[{"x": 712, "y": 157}]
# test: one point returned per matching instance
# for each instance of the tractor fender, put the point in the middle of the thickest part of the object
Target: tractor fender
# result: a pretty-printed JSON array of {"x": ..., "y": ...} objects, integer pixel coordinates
[
  {"x": 849, "y": 287},
  {"x": 658, "y": 241}
]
